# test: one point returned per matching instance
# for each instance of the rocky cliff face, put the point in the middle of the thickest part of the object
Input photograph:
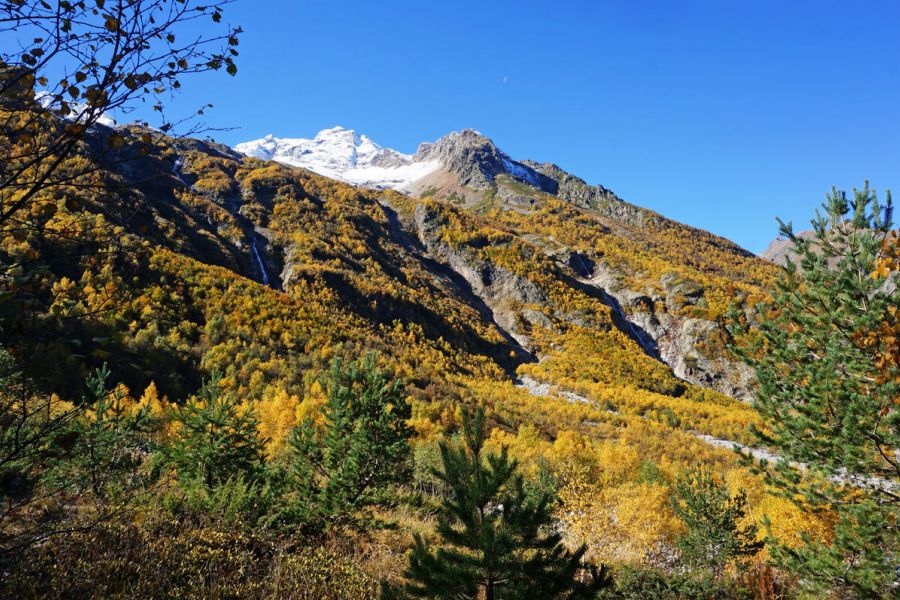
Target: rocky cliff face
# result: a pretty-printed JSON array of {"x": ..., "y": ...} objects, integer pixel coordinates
[
  {"x": 683, "y": 343},
  {"x": 505, "y": 294}
]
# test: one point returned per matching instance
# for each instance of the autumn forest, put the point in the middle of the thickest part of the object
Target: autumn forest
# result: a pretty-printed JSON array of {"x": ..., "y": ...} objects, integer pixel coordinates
[{"x": 226, "y": 377}]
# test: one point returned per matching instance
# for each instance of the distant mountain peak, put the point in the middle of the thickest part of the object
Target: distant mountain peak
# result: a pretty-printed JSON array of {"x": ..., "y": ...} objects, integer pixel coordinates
[
  {"x": 476, "y": 160},
  {"x": 467, "y": 156},
  {"x": 344, "y": 154},
  {"x": 345, "y": 135}
]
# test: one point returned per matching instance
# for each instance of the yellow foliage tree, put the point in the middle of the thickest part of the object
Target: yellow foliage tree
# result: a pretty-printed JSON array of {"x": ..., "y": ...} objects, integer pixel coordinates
[{"x": 277, "y": 416}]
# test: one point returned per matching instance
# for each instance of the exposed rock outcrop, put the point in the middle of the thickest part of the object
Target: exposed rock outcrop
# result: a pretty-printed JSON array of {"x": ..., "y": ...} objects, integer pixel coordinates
[
  {"x": 505, "y": 293},
  {"x": 781, "y": 249},
  {"x": 594, "y": 198},
  {"x": 684, "y": 343},
  {"x": 476, "y": 161}
]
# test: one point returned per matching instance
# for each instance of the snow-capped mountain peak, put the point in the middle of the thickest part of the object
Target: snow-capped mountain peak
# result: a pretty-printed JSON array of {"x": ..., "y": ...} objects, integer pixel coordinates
[
  {"x": 467, "y": 157},
  {"x": 342, "y": 154}
]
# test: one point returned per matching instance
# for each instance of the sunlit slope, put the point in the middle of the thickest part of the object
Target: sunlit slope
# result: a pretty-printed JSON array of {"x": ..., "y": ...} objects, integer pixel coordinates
[{"x": 264, "y": 272}]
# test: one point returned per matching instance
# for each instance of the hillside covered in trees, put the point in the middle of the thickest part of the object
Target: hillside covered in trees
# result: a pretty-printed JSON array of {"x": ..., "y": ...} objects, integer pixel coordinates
[{"x": 228, "y": 377}]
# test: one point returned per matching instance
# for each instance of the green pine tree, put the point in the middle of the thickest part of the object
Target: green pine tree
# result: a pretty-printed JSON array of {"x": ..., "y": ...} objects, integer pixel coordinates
[
  {"x": 362, "y": 447},
  {"x": 80, "y": 465},
  {"x": 495, "y": 543},
  {"x": 218, "y": 439},
  {"x": 108, "y": 447},
  {"x": 713, "y": 518},
  {"x": 825, "y": 353}
]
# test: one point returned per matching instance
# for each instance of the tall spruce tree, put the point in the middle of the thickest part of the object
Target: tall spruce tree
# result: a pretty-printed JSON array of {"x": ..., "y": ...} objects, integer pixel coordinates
[
  {"x": 362, "y": 446},
  {"x": 825, "y": 350},
  {"x": 495, "y": 543},
  {"x": 712, "y": 516}
]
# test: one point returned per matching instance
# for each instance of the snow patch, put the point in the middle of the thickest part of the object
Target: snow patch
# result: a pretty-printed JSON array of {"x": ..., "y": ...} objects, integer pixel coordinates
[
  {"x": 78, "y": 110},
  {"x": 519, "y": 171},
  {"x": 397, "y": 178}
]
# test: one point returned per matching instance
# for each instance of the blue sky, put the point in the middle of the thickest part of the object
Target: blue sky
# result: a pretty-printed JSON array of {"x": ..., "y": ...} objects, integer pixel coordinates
[{"x": 718, "y": 114}]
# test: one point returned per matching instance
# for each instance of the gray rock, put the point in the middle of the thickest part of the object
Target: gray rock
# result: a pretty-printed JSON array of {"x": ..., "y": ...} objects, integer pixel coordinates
[
  {"x": 781, "y": 249},
  {"x": 388, "y": 158},
  {"x": 476, "y": 160},
  {"x": 594, "y": 198},
  {"x": 504, "y": 292},
  {"x": 678, "y": 341}
]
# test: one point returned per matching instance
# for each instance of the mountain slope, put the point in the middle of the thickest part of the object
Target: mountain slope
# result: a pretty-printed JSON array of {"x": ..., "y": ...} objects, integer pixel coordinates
[
  {"x": 588, "y": 328},
  {"x": 481, "y": 288},
  {"x": 667, "y": 284}
]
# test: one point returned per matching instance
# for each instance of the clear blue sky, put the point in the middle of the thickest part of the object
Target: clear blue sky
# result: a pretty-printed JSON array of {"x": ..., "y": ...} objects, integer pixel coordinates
[{"x": 721, "y": 114}]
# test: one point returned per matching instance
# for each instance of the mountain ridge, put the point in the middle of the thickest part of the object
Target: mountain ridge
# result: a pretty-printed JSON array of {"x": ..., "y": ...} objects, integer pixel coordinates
[
  {"x": 459, "y": 166},
  {"x": 338, "y": 151}
]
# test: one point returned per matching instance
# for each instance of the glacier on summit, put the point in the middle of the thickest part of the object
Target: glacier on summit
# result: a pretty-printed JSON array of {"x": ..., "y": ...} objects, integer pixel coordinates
[{"x": 343, "y": 154}]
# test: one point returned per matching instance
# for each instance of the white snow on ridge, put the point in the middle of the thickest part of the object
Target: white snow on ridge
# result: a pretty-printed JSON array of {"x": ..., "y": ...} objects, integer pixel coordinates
[
  {"x": 345, "y": 155},
  {"x": 519, "y": 171},
  {"x": 78, "y": 110},
  {"x": 396, "y": 178}
]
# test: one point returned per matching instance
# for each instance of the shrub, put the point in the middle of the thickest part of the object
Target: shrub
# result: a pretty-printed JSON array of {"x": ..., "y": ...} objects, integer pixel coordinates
[
  {"x": 162, "y": 559},
  {"x": 632, "y": 583}
]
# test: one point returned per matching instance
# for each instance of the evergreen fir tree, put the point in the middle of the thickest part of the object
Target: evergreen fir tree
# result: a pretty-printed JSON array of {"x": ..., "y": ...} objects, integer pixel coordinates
[
  {"x": 362, "y": 447},
  {"x": 495, "y": 544},
  {"x": 825, "y": 350},
  {"x": 713, "y": 518},
  {"x": 218, "y": 439}
]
